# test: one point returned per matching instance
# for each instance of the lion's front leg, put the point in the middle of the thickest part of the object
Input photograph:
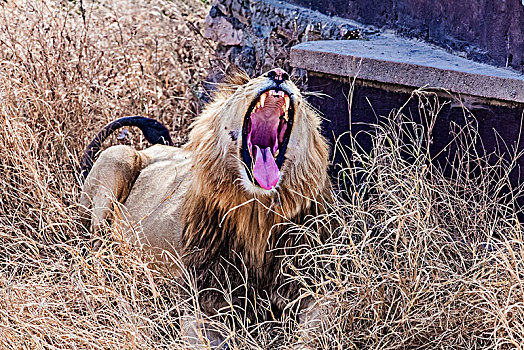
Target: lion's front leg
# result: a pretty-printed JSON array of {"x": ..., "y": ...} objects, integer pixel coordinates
[{"x": 110, "y": 180}]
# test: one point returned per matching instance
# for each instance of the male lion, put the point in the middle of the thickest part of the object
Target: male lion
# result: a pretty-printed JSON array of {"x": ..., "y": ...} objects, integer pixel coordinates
[{"x": 255, "y": 161}]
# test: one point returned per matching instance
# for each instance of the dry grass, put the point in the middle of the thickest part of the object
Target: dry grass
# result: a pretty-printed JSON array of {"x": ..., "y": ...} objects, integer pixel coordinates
[
  {"x": 66, "y": 69},
  {"x": 415, "y": 260}
]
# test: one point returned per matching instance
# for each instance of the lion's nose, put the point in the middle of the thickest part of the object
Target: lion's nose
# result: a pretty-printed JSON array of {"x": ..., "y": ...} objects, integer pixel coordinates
[{"x": 278, "y": 75}]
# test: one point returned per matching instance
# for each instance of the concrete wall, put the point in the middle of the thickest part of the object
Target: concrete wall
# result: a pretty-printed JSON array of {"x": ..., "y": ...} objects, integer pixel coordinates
[{"x": 489, "y": 31}]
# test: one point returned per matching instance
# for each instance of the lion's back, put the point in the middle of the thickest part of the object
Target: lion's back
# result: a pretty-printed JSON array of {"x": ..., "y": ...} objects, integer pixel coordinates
[{"x": 155, "y": 201}]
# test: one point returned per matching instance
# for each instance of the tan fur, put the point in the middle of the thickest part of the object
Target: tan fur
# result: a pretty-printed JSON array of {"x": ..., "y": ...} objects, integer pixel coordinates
[{"x": 197, "y": 201}]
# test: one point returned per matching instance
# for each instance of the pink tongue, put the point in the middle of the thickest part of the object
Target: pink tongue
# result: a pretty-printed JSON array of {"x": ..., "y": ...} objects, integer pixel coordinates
[{"x": 266, "y": 170}]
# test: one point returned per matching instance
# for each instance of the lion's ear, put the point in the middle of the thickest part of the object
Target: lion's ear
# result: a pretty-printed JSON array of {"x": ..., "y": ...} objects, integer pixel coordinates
[{"x": 233, "y": 78}]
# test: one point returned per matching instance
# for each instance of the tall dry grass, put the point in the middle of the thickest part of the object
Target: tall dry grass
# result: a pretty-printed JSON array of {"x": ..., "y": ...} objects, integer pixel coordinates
[
  {"x": 417, "y": 259},
  {"x": 66, "y": 69},
  {"x": 414, "y": 260}
]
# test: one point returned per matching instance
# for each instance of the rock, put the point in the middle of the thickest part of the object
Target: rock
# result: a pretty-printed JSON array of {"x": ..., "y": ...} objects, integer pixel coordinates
[
  {"x": 220, "y": 30},
  {"x": 256, "y": 35}
]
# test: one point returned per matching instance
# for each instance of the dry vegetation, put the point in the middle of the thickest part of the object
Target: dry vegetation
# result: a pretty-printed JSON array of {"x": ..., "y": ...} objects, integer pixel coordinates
[
  {"x": 419, "y": 259},
  {"x": 416, "y": 260}
]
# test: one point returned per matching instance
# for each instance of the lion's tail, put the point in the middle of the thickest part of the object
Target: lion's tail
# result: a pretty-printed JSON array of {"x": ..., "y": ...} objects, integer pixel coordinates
[{"x": 154, "y": 132}]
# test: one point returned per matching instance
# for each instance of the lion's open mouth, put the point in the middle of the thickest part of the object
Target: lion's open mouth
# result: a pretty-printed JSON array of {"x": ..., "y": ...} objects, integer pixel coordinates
[{"x": 265, "y": 135}]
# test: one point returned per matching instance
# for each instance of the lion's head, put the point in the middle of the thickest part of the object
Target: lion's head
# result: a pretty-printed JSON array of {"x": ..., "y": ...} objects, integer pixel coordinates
[{"x": 266, "y": 133}]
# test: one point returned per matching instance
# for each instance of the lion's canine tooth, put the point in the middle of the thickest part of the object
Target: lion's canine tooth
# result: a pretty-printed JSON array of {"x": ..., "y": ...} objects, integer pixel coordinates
[
  {"x": 262, "y": 99},
  {"x": 286, "y": 99}
]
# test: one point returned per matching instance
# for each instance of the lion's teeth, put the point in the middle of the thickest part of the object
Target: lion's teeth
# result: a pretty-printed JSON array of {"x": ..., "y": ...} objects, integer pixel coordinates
[
  {"x": 286, "y": 99},
  {"x": 262, "y": 99}
]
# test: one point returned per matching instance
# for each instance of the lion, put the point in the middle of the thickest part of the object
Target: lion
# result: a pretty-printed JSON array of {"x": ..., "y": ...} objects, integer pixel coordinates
[{"x": 255, "y": 161}]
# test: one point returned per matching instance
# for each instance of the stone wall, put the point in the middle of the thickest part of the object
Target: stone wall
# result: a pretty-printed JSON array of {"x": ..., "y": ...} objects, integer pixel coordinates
[{"x": 257, "y": 35}]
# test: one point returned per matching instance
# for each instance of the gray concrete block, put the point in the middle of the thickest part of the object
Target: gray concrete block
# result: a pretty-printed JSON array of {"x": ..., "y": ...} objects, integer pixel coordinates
[{"x": 393, "y": 60}]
